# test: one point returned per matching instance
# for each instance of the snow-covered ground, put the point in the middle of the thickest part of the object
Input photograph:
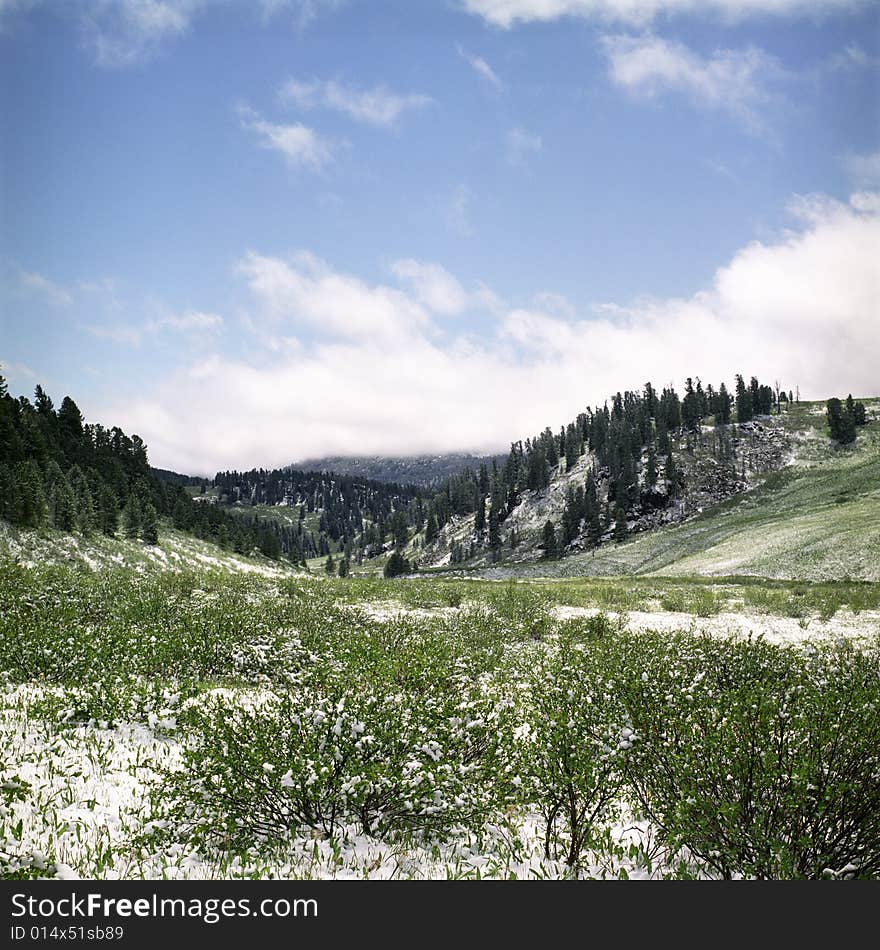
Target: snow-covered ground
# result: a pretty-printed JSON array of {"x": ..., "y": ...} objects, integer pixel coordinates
[
  {"x": 89, "y": 798},
  {"x": 774, "y": 629}
]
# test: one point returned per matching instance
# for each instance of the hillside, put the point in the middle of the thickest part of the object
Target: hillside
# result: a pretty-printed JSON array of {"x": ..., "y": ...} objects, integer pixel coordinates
[
  {"x": 426, "y": 471},
  {"x": 176, "y": 551},
  {"x": 816, "y": 518}
]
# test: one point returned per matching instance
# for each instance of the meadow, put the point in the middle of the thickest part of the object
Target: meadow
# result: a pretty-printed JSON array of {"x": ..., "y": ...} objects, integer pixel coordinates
[{"x": 205, "y": 723}]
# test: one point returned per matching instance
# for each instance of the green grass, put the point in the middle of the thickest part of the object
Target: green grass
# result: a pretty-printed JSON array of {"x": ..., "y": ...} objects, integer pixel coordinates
[
  {"x": 815, "y": 520},
  {"x": 285, "y": 711}
]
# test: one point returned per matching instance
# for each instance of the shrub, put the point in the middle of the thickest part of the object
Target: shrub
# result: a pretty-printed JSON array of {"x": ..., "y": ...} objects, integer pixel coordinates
[
  {"x": 761, "y": 761},
  {"x": 572, "y": 747},
  {"x": 401, "y": 742}
]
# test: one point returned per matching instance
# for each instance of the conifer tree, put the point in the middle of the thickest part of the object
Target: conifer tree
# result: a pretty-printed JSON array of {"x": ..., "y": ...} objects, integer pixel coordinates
[
  {"x": 672, "y": 477},
  {"x": 83, "y": 502},
  {"x": 132, "y": 517},
  {"x": 480, "y": 520},
  {"x": 722, "y": 406},
  {"x": 149, "y": 524},
  {"x": 549, "y": 542},
  {"x": 31, "y": 496},
  {"x": 431, "y": 529},
  {"x": 63, "y": 505},
  {"x": 690, "y": 407},
  {"x": 107, "y": 511},
  {"x": 620, "y": 527},
  {"x": 651, "y": 467},
  {"x": 743, "y": 401},
  {"x": 664, "y": 446},
  {"x": 494, "y": 532},
  {"x": 594, "y": 525},
  {"x": 180, "y": 515},
  {"x": 329, "y": 565}
]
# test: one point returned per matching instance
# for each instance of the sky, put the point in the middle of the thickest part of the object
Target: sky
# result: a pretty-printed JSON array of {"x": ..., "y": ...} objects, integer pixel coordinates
[{"x": 255, "y": 233}]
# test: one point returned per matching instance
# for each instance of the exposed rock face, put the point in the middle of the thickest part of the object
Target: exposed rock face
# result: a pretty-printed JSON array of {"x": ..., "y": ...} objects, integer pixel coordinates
[{"x": 714, "y": 464}]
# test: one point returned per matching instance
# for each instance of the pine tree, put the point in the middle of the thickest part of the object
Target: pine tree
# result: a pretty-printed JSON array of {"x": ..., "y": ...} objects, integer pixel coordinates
[
  {"x": 344, "y": 567},
  {"x": 431, "y": 529},
  {"x": 396, "y": 565},
  {"x": 594, "y": 525},
  {"x": 180, "y": 515},
  {"x": 329, "y": 565},
  {"x": 85, "y": 506},
  {"x": 132, "y": 517},
  {"x": 32, "y": 506},
  {"x": 63, "y": 505},
  {"x": 672, "y": 477},
  {"x": 722, "y": 406},
  {"x": 480, "y": 520},
  {"x": 549, "y": 540},
  {"x": 620, "y": 527},
  {"x": 664, "y": 446},
  {"x": 651, "y": 467},
  {"x": 494, "y": 532},
  {"x": 743, "y": 401},
  {"x": 149, "y": 524},
  {"x": 572, "y": 447},
  {"x": 8, "y": 490},
  {"x": 107, "y": 511},
  {"x": 690, "y": 407}
]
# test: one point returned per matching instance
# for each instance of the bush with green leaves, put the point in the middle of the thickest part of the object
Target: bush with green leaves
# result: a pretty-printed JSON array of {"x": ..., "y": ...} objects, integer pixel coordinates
[
  {"x": 761, "y": 761},
  {"x": 16, "y": 862},
  {"x": 573, "y": 744},
  {"x": 393, "y": 740}
]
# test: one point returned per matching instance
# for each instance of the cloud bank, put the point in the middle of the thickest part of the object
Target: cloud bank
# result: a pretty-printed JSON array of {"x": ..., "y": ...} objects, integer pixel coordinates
[
  {"x": 507, "y": 13},
  {"x": 384, "y": 372}
]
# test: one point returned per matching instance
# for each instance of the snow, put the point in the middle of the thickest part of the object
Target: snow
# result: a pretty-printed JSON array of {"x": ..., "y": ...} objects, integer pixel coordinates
[{"x": 773, "y": 629}]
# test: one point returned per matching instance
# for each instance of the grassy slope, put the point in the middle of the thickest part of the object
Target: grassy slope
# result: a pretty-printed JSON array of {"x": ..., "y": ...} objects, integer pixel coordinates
[
  {"x": 175, "y": 551},
  {"x": 818, "y": 519}
]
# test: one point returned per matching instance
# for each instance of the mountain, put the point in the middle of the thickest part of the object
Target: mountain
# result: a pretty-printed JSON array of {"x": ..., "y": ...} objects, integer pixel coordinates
[
  {"x": 814, "y": 515},
  {"x": 633, "y": 486},
  {"x": 426, "y": 471}
]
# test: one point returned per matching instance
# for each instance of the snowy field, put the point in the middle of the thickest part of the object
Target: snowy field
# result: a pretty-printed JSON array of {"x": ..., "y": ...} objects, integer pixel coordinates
[{"x": 220, "y": 725}]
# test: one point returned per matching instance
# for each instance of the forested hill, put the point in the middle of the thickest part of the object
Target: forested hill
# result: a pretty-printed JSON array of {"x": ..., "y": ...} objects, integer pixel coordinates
[
  {"x": 643, "y": 460},
  {"x": 57, "y": 471},
  {"x": 426, "y": 471}
]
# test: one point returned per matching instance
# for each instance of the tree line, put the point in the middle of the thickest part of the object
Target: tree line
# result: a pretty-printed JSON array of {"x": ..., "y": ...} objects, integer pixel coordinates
[{"x": 56, "y": 470}]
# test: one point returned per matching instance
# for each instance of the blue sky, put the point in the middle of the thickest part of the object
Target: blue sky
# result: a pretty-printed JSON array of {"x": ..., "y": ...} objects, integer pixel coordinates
[{"x": 260, "y": 232}]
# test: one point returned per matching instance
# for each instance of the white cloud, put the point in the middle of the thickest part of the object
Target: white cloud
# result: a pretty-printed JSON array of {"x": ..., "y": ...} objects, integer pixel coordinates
[
  {"x": 190, "y": 321},
  {"x": 804, "y": 309},
  {"x": 440, "y": 292},
  {"x": 732, "y": 80},
  {"x": 481, "y": 68},
  {"x": 302, "y": 289},
  {"x": 194, "y": 322},
  {"x": 378, "y": 106},
  {"x": 558, "y": 304},
  {"x": 121, "y": 333},
  {"x": 521, "y": 144},
  {"x": 302, "y": 12},
  {"x": 18, "y": 375},
  {"x": 121, "y": 33},
  {"x": 301, "y": 146},
  {"x": 507, "y": 13},
  {"x": 864, "y": 169},
  {"x": 36, "y": 284}
]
